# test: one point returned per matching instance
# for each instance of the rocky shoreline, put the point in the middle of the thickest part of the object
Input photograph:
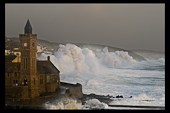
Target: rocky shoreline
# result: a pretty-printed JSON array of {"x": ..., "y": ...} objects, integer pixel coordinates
[
  {"x": 102, "y": 98},
  {"x": 38, "y": 103}
]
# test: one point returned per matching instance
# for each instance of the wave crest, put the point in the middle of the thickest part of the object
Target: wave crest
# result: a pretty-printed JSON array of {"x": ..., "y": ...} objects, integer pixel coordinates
[{"x": 70, "y": 57}]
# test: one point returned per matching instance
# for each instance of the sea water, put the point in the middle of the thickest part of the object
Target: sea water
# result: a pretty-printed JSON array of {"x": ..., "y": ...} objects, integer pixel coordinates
[{"x": 112, "y": 73}]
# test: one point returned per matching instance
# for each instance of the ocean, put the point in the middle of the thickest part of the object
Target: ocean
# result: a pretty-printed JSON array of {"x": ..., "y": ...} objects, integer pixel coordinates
[{"x": 112, "y": 73}]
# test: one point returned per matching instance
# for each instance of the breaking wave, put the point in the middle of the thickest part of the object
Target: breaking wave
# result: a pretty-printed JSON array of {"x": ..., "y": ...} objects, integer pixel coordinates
[
  {"x": 114, "y": 73},
  {"x": 63, "y": 104},
  {"x": 72, "y": 104},
  {"x": 70, "y": 57},
  {"x": 95, "y": 103},
  {"x": 141, "y": 99}
]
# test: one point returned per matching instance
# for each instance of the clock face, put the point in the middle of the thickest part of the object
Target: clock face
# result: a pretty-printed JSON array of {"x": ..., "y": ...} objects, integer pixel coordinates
[{"x": 25, "y": 44}]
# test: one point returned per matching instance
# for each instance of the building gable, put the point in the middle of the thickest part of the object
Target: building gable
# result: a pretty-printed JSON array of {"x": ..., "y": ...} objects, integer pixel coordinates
[
  {"x": 12, "y": 67},
  {"x": 46, "y": 67}
]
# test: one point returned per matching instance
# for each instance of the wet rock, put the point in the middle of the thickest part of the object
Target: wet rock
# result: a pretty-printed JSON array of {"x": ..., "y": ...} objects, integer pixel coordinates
[
  {"x": 106, "y": 99},
  {"x": 119, "y": 96}
]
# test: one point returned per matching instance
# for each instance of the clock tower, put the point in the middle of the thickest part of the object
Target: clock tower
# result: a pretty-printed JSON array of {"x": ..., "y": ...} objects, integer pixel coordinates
[{"x": 28, "y": 67}]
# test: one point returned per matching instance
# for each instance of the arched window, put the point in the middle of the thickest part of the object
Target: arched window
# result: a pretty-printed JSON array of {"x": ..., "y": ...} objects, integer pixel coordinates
[
  {"x": 25, "y": 81},
  {"x": 34, "y": 80},
  {"x": 41, "y": 79},
  {"x": 15, "y": 74}
]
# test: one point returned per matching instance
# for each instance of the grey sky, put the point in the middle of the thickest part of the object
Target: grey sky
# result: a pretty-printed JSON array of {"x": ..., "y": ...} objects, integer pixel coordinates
[{"x": 128, "y": 26}]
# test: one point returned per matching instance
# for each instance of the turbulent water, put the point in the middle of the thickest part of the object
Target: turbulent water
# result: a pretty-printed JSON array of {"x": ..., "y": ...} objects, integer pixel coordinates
[{"x": 113, "y": 73}]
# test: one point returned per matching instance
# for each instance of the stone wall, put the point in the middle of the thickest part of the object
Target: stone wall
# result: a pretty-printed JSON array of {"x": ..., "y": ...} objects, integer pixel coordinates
[
  {"x": 9, "y": 79},
  {"x": 42, "y": 87},
  {"x": 52, "y": 87},
  {"x": 17, "y": 92},
  {"x": 48, "y": 87},
  {"x": 34, "y": 92},
  {"x": 74, "y": 90}
]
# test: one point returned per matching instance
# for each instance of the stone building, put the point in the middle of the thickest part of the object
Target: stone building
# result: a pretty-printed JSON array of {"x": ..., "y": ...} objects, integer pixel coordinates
[{"x": 34, "y": 77}]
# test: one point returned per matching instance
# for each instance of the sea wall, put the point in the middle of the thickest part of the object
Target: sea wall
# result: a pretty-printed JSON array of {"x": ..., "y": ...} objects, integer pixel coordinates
[{"x": 74, "y": 90}]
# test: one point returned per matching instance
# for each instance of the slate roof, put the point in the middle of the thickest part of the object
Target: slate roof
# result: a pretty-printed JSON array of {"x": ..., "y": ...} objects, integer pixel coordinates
[
  {"x": 11, "y": 67},
  {"x": 28, "y": 28},
  {"x": 9, "y": 58},
  {"x": 43, "y": 67}
]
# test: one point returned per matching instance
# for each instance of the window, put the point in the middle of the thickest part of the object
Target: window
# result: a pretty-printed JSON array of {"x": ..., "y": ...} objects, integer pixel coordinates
[
  {"x": 41, "y": 79},
  {"x": 56, "y": 78},
  {"x": 32, "y": 64},
  {"x": 48, "y": 78},
  {"x": 34, "y": 80},
  {"x": 25, "y": 81},
  {"x": 53, "y": 78},
  {"x": 13, "y": 81},
  {"x": 24, "y": 63},
  {"x": 15, "y": 74}
]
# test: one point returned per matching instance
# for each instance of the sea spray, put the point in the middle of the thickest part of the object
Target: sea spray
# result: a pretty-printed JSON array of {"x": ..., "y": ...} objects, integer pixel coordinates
[
  {"x": 113, "y": 73},
  {"x": 95, "y": 103},
  {"x": 72, "y": 104},
  {"x": 66, "y": 103},
  {"x": 70, "y": 57}
]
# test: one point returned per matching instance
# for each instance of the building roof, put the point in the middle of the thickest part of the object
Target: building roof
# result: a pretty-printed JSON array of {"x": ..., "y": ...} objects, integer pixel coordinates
[
  {"x": 11, "y": 67},
  {"x": 43, "y": 67},
  {"x": 7, "y": 48},
  {"x": 10, "y": 58},
  {"x": 46, "y": 67},
  {"x": 28, "y": 28}
]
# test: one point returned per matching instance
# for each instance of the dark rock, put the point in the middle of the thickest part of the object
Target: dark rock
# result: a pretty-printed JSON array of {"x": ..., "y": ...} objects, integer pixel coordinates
[
  {"x": 92, "y": 94},
  {"x": 119, "y": 96}
]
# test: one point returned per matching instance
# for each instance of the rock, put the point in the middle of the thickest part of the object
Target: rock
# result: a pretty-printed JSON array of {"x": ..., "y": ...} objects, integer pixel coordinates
[
  {"x": 92, "y": 94},
  {"x": 119, "y": 96},
  {"x": 83, "y": 102}
]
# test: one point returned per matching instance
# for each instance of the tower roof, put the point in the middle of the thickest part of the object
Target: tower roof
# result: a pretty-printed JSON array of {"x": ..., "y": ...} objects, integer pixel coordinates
[{"x": 28, "y": 28}]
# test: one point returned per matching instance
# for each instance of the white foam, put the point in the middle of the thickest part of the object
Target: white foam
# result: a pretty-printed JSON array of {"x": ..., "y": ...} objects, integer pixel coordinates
[
  {"x": 91, "y": 82},
  {"x": 143, "y": 97},
  {"x": 113, "y": 73},
  {"x": 161, "y": 60},
  {"x": 70, "y": 57},
  {"x": 64, "y": 104},
  {"x": 95, "y": 103}
]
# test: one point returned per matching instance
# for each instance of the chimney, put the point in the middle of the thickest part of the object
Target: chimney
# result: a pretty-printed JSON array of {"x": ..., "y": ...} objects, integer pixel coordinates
[{"x": 48, "y": 58}]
